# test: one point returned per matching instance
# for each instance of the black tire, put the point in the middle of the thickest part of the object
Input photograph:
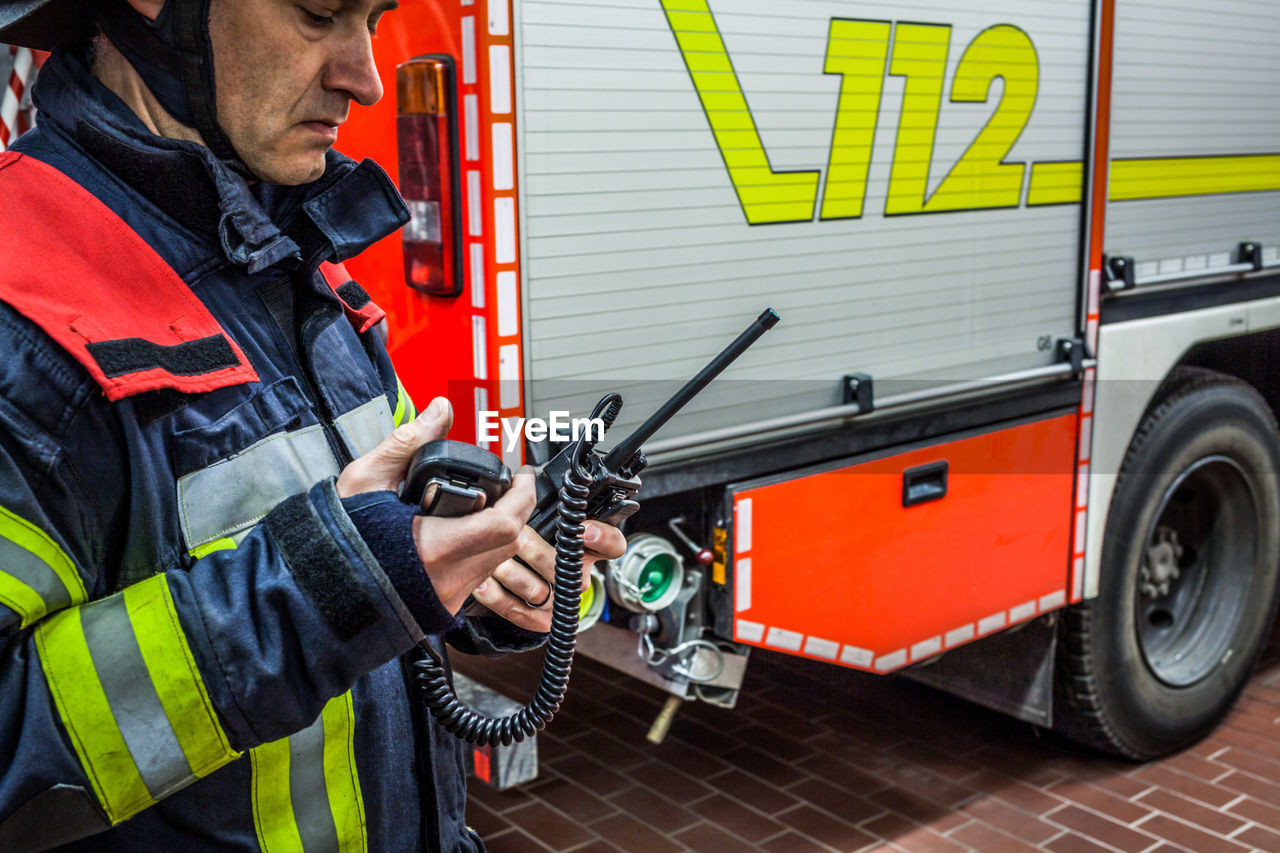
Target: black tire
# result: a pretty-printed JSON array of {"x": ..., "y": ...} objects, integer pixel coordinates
[{"x": 1189, "y": 573}]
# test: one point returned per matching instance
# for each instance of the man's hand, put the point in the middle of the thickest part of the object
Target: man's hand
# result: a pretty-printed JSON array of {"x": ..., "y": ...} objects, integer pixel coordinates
[
  {"x": 522, "y": 594},
  {"x": 457, "y": 553},
  {"x": 460, "y": 555}
]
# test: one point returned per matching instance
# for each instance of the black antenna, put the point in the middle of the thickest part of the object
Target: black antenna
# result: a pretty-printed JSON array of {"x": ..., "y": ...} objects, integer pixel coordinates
[{"x": 627, "y": 448}]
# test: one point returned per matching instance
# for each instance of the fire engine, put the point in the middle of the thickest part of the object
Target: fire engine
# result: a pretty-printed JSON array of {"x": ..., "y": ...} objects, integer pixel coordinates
[{"x": 1015, "y": 434}]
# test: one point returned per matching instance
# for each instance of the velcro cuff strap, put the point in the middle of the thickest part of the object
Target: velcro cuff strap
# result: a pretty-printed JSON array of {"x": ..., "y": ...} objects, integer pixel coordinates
[{"x": 319, "y": 567}]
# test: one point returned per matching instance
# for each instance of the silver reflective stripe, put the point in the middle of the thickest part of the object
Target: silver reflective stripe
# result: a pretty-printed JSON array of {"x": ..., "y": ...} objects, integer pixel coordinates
[
  {"x": 237, "y": 492},
  {"x": 309, "y": 792},
  {"x": 363, "y": 428},
  {"x": 134, "y": 702},
  {"x": 27, "y": 568}
]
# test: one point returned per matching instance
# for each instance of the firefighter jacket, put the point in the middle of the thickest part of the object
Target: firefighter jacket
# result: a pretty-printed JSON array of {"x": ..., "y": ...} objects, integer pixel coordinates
[{"x": 198, "y": 649}]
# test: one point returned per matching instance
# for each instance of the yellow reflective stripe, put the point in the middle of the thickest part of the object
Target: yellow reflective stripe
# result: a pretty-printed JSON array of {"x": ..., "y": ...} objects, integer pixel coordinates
[
  {"x": 128, "y": 692},
  {"x": 1055, "y": 183},
  {"x": 32, "y": 588},
  {"x": 272, "y": 805},
  {"x": 22, "y": 599},
  {"x": 19, "y": 530},
  {"x": 1186, "y": 176},
  {"x": 1135, "y": 179},
  {"x": 83, "y": 707},
  {"x": 405, "y": 410},
  {"x": 341, "y": 778},
  {"x": 283, "y": 769},
  {"x": 223, "y": 544},
  {"x": 174, "y": 675}
]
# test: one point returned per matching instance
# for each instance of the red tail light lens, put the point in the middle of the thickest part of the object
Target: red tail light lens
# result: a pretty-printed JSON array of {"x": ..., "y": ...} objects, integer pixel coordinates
[{"x": 426, "y": 130}]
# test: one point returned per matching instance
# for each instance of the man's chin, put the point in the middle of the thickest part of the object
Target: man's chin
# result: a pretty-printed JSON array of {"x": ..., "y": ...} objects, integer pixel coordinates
[{"x": 291, "y": 171}]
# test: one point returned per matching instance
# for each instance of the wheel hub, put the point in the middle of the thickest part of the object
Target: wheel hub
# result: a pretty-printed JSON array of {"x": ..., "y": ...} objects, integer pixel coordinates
[
  {"x": 1194, "y": 575},
  {"x": 1160, "y": 565}
]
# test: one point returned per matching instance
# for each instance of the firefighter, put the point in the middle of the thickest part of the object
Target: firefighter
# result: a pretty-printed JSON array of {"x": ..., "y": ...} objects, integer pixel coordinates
[{"x": 207, "y": 582}]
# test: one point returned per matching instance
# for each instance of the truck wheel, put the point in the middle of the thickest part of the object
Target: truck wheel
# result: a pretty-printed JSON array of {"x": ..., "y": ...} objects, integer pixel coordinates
[{"x": 1189, "y": 573}]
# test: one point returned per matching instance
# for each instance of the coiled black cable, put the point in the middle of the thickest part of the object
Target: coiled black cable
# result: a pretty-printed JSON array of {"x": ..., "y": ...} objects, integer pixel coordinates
[{"x": 431, "y": 671}]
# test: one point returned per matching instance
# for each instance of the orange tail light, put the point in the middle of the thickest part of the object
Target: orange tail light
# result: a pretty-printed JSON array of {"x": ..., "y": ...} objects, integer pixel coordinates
[{"x": 427, "y": 134}]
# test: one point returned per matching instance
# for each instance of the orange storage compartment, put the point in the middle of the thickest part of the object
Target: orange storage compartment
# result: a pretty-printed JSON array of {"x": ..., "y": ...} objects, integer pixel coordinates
[{"x": 886, "y": 562}]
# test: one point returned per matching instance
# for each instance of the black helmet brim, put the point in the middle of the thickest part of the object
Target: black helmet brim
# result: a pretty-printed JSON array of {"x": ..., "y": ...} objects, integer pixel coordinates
[{"x": 43, "y": 24}]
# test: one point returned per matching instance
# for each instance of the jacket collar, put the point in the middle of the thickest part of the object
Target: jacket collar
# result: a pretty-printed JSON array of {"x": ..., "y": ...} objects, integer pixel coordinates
[{"x": 334, "y": 218}]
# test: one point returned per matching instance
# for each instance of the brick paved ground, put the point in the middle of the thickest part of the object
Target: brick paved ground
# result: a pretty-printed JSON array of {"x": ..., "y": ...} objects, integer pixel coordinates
[{"x": 819, "y": 758}]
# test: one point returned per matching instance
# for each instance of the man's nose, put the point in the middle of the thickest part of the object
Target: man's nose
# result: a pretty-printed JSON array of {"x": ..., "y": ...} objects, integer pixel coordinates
[{"x": 351, "y": 70}]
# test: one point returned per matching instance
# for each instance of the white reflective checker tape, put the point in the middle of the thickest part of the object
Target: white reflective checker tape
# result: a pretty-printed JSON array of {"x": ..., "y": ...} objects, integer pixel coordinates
[
  {"x": 1086, "y": 437},
  {"x": 471, "y": 119},
  {"x": 749, "y": 632},
  {"x": 991, "y": 623},
  {"x": 1077, "y": 578},
  {"x": 504, "y": 223},
  {"x": 742, "y": 526},
  {"x": 500, "y": 79},
  {"x": 468, "y": 2},
  {"x": 12, "y": 102},
  {"x": 477, "y": 275},
  {"x": 963, "y": 634},
  {"x": 782, "y": 639},
  {"x": 1082, "y": 486},
  {"x": 1091, "y": 335},
  {"x": 499, "y": 18},
  {"x": 1025, "y": 610},
  {"x": 509, "y": 376},
  {"x": 468, "y": 49},
  {"x": 478, "y": 348},
  {"x": 1095, "y": 288},
  {"x": 475, "y": 219},
  {"x": 742, "y": 585},
  {"x": 504, "y": 156},
  {"x": 482, "y": 405},
  {"x": 1081, "y": 517},
  {"x": 893, "y": 660},
  {"x": 508, "y": 316},
  {"x": 820, "y": 648},
  {"x": 1086, "y": 399},
  {"x": 1053, "y": 600},
  {"x": 926, "y": 648},
  {"x": 855, "y": 656}
]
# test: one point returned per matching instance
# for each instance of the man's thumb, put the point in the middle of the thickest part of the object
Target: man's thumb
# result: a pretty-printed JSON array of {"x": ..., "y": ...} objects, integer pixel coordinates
[{"x": 384, "y": 466}]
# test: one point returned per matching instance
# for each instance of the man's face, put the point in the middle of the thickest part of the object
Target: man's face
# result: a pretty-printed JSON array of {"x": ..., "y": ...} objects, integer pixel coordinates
[{"x": 286, "y": 73}]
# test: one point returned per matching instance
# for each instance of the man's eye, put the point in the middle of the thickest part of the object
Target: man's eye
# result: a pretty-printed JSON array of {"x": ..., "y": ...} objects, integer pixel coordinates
[{"x": 317, "y": 19}]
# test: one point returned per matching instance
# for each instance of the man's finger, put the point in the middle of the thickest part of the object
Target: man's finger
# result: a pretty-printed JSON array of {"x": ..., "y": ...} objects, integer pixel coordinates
[
  {"x": 524, "y": 583},
  {"x": 521, "y": 499},
  {"x": 603, "y": 541},
  {"x": 384, "y": 466},
  {"x": 515, "y": 610}
]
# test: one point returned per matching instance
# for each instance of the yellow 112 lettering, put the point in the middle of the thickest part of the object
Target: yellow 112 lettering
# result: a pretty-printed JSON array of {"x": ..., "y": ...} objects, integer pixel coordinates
[{"x": 862, "y": 52}]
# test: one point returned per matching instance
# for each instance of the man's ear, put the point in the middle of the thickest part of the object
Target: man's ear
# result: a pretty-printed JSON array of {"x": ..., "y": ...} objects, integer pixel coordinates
[{"x": 150, "y": 8}]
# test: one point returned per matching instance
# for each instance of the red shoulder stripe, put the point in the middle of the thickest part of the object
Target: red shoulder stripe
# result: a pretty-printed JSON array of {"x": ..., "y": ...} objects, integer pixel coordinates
[
  {"x": 361, "y": 311},
  {"x": 76, "y": 269}
]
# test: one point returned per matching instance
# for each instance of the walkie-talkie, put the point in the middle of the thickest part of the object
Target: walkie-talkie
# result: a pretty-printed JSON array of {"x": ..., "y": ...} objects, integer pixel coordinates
[{"x": 451, "y": 478}]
